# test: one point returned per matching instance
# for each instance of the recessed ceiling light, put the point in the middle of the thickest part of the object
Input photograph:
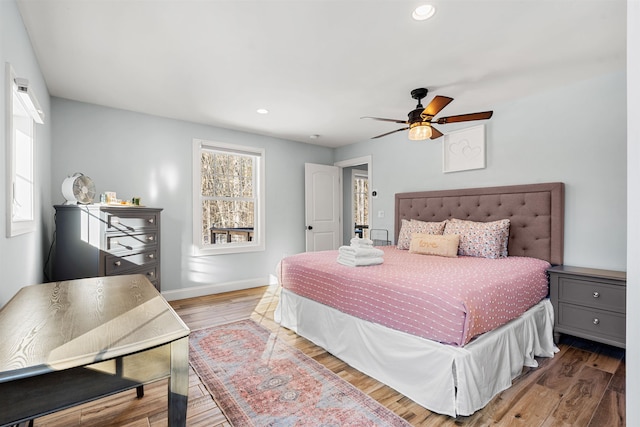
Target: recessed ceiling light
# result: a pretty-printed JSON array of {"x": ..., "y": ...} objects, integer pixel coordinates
[
  {"x": 423, "y": 12},
  {"x": 314, "y": 136},
  {"x": 262, "y": 111}
]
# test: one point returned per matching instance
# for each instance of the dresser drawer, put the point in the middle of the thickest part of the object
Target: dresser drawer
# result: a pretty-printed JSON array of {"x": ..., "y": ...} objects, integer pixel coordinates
[
  {"x": 150, "y": 271},
  {"x": 127, "y": 221},
  {"x": 130, "y": 241},
  {"x": 598, "y": 295},
  {"x": 123, "y": 264},
  {"x": 603, "y": 324}
]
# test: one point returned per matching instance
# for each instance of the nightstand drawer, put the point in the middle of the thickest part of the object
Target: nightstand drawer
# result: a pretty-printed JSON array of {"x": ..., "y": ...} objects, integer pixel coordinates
[
  {"x": 593, "y": 322},
  {"x": 593, "y": 294}
]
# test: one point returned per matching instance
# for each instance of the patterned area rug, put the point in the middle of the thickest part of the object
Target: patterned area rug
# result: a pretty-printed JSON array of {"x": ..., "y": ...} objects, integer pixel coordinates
[{"x": 259, "y": 380}]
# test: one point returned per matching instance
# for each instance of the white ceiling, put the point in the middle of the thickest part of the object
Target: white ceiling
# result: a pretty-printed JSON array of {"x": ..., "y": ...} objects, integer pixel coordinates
[{"x": 317, "y": 66}]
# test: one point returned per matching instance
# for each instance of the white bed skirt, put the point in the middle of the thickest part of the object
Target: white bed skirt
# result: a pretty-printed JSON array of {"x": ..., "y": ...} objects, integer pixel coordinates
[{"x": 444, "y": 379}]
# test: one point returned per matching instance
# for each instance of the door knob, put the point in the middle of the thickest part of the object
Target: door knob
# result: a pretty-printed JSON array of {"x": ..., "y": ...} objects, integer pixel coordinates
[{"x": 309, "y": 227}]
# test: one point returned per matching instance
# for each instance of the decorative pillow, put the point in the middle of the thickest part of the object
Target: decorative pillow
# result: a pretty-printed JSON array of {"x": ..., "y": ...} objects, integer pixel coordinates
[
  {"x": 407, "y": 228},
  {"x": 480, "y": 239},
  {"x": 430, "y": 244}
]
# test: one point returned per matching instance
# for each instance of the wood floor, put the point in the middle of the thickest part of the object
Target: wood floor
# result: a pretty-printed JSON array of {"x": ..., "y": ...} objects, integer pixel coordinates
[{"x": 583, "y": 385}]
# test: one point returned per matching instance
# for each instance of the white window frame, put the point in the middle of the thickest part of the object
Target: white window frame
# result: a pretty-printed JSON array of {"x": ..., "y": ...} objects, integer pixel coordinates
[
  {"x": 21, "y": 173},
  {"x": 258, "y": 241}
]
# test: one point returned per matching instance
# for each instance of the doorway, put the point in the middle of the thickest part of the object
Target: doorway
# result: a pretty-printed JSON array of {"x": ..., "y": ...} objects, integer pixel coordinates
[
  {"x": 355, "y": 204},
  {"x": 356, "y": 196}
]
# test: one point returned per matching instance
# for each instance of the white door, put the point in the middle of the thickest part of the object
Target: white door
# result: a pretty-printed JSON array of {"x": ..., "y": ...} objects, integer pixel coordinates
[{"x": 322, "y": 206}]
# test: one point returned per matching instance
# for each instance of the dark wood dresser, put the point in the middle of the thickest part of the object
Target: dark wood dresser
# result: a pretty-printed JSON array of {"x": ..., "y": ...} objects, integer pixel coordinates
[
  {"x": 104, "y": 240},
  {"x": 589, "y": 303}
]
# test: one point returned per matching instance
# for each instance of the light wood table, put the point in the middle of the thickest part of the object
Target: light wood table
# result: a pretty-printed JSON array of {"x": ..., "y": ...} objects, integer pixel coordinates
[{"x": 66, "y": 343}]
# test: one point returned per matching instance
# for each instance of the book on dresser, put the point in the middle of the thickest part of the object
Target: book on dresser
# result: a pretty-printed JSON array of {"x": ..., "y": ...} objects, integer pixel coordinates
[{"x": 105, "y": 240}]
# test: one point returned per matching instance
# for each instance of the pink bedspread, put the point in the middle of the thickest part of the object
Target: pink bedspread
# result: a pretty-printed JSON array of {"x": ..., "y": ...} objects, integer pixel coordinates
[{"x": 449, "y": 300}]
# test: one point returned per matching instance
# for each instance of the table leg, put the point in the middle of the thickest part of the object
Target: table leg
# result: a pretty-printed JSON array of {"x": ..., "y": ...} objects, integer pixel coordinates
[
  {"x": 179, "y": 383},
  {"x": 120, "y": 373}
]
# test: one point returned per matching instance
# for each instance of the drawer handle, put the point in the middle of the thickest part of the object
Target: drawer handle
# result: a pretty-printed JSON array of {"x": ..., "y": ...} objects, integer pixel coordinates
[
  {"x": 117, "y": 263},
  {"x": 151, "y": 273},
  {"x": 596, "y": 294},
  {"x": 150, "y": 238},
  {"x": 596, "y": 321},
  {"x": 151, "y": 221},
  {"x": 150, "y": 256}
]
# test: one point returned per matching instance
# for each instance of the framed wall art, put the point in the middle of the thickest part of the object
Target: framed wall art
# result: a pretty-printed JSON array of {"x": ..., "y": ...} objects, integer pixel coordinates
[{"x": 464, "y": 150}]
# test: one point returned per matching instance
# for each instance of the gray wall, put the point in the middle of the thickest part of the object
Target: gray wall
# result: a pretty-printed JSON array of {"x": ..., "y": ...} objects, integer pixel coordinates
[
  {"x": 22, "y": 257},
  {"x": 575, "y": 134},
  {"x": 151, "y": 157}
]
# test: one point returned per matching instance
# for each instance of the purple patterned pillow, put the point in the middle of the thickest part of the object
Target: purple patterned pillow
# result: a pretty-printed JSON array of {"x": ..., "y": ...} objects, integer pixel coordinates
[
  {"x": 480, "y": 239},
  {"x": 407, "y": 228}
]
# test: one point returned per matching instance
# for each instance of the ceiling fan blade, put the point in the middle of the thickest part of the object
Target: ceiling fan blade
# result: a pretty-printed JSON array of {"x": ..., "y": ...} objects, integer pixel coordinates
[
  {"x": 465, "y": 117},
  {"x": 389, "y": 133},
  {"x": 435, "y": 133},
  {"x": 436, "y": 105},
  {"x": 386, "y": 120}
]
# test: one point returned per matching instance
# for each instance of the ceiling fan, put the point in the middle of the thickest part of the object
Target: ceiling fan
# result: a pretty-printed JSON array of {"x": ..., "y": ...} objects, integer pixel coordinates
[{"x": 421, "y": 118}]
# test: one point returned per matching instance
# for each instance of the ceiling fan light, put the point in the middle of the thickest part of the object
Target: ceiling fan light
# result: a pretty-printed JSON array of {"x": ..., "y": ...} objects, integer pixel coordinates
[{"x": 420, "y": 132}]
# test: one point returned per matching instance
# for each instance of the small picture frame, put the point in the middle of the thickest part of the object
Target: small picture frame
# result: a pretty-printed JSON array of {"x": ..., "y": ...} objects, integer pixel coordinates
[{"x": 464, "y": 150}]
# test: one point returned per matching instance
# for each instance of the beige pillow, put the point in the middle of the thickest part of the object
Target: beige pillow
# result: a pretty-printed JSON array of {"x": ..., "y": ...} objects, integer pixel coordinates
[{"x": 433, "y": 244}]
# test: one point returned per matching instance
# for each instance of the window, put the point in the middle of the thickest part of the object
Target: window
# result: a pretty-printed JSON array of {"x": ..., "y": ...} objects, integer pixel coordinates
[
  {"x": 23, "y": 110},
  {"x": 228, "y": 209}
]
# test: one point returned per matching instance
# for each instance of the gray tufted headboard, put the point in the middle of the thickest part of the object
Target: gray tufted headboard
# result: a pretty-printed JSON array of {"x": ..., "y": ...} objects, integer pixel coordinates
[{"x": 536, "y": 213}]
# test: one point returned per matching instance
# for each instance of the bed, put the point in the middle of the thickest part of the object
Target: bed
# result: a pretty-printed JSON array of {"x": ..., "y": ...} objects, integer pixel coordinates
[{"x": 452, "y": 367}]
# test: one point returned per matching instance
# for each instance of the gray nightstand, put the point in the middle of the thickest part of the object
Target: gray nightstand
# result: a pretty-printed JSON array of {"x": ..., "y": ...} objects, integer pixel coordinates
[{"x": 589, "y": 303}]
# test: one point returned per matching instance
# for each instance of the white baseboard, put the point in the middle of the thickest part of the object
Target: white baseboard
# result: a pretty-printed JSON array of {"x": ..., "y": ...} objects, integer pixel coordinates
[{"x": 214, "y": 288}]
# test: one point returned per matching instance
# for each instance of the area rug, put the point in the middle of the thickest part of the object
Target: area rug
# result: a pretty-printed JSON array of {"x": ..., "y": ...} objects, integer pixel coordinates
[{"x": 259, "y": 380}]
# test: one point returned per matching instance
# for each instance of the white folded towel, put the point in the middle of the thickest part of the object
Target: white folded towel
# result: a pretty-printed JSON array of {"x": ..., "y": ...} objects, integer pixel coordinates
[
  {"x": 361, "y": 242},
  {"x": 359, "y": 262},
  {"x": 359, "y": 252}
]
